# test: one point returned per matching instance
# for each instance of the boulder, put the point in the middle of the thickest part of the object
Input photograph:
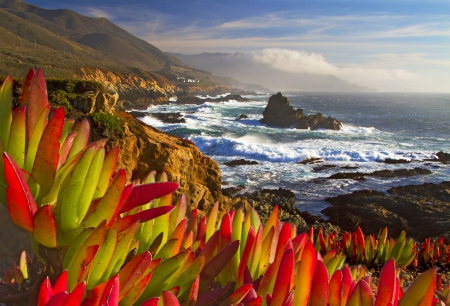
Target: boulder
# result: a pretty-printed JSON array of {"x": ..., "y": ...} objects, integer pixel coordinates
[
  {"x": 94, "y": 101},
  {"x": 240, "y": 162},
  {"x": 422, "y": 210},
  {"x": 279, "y": 112}
]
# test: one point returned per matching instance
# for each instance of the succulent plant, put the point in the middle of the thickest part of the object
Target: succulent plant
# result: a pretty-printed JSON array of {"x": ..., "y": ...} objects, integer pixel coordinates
[{"x": 107, "y": 242}]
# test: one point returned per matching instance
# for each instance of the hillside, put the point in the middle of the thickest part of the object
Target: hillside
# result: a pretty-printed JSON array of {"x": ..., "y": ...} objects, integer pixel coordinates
[{"x": 69, "y": 45}]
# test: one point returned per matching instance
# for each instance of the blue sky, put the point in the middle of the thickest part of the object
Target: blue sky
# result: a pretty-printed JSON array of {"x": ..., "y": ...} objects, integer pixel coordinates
[{"x": 394, "y": 45}]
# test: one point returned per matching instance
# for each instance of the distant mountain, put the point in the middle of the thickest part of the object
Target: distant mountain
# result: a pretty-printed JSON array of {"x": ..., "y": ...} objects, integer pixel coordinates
[
  {"x": 69, "y": 45},
  {"x": 242, "y": 67}
]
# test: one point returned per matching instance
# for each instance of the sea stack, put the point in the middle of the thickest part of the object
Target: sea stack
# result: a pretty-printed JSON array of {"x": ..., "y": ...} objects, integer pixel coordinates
[{"x": 279, "y": 112}]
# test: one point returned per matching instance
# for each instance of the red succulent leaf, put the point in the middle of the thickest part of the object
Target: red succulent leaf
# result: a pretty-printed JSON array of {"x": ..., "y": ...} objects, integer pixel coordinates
[
  {"x": 61, "y": 283},
  {"x": 45, "y": 227},
  {"x": 110, "y": 294},
  {"x": 58, "y": 299},
  {"x": 319, "y": 286},
  {"x": 245, "y": 255},
  {"x": 76, "y": 296},
  {"x": 386, "y": 285},
  {"x": 151, "y": 302},
  {"x": 193, "y": 292},
  {"x": 47, "y": 154},
  {"x": 217, "y": 264},
  {"x": 26, "y": 88},
  {"x": 45, "y": 293},
  {"x": 145, "y": 193},
  {"x": 255, "y": 302},
  {"x": 237, "y": 296},
  {"x": 284, "y": 279},
  {"x": 169, "y": 299},
  {"x": 213, "y": 295},
  {"x": 21, "y": 204},
  {"x": 153, "y": 213},
  {"x": 134, "y": 271},
  {"x": 37, "y": 99},
  {"x": 334, "y": 289}
]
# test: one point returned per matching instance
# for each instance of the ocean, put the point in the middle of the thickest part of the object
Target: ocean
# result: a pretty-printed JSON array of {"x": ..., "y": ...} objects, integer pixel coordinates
[{"x": 377, "y": 126}]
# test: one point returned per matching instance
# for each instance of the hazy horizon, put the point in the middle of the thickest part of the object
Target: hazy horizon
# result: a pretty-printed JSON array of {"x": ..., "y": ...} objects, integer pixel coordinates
[{"x": 393, "y": 46}]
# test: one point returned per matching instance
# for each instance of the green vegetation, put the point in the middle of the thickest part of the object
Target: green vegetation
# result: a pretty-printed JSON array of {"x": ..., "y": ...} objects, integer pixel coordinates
[{"x": 113, "y": 127}]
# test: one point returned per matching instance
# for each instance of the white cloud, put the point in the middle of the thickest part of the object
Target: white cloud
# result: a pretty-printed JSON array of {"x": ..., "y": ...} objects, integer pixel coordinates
[{"x": 302, "y": 62}]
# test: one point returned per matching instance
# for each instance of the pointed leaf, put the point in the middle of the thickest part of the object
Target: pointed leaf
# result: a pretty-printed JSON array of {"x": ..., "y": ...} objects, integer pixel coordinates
[
  {"x": 386, "y": 284},
  {"x": 17, "y": 137},
  {"x": 37, "y": 101},
  {"x": 143, "y": 194},
  {"x": 109, "y": 166},
  {"x": 81, "y": 139},
  {"x": 305, "y": 274},
  {"x": 421, "y": 291},
  {"x": 76, "y": 296},
  {"x": 21, "y": 205},
  {"x": 45, "y": 293},
  {"x": 45, "y": 227},
  {"x": 284, "y": 279},
  {"x": 110, "y": 294},
  {"x": 217, "y": 263},
  {"x": 319, "y": 287},
  {"x": 26, "y": 88},
  {"x": 5, "y": 110},
  {"x": 33, "y": 143},
  {"x": 61, "y": 283},
  {"x": 237, "y": 296}
]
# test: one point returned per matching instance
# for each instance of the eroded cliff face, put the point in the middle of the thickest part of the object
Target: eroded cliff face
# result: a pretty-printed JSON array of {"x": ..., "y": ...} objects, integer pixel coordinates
[
  {"x": 144, "y": 148},
  {"x": 134, "y": 91}
]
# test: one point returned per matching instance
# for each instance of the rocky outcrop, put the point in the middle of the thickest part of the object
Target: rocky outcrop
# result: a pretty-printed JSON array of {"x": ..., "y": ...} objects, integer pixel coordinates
[
  {"x": 96, "y": 101},
  {"x": 264, "y": 201},
  {"x": 422, "y": 210},
  {"x": 279, "y": 112},
  {"x": 143, "y": 149},
  {"x": 381, "y": 173},
  {"x": 240, "y": 162},
  {"x": 136, "y": 92}
]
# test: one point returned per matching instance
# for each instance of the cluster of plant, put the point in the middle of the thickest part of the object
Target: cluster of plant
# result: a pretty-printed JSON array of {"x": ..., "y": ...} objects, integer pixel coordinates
[{"x": 107, "y": 242}]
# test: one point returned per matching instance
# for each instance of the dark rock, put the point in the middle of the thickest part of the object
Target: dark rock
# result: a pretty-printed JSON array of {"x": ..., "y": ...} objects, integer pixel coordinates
[
  {"x": 231, "y": 191},
  {"x": 324, "y": 167},
  {"x": 349, "y": 167},
  {"x": 422, "y": 210},
  {"x": 279, "y": 112},
  {"x": 169, "y": 117},
  {"x": 312, "y": 160},
  {"x": 189, "y": 100},
  {"x": 242, "y": 116},
  {"x": 396, "y": 161},
  {"x": 137, "y": 114},
  {"x": 381, "y": 173},
  {"x": 240, "y": 162},
  {"x": 443, "y": 157},
  {"x": 234, "y": 97}
]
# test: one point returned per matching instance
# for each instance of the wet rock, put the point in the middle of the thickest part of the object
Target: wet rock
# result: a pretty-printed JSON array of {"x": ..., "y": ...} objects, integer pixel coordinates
[
  {"x": 381, "y": 173},
  {"x": 240, "y": 162},
  {"x": 169, "y": 117},
  {"x": 279, "y": 112},
  {"x": 324, "y": 167},
  {"x": 242, "y": 116},
  {"x": 396, "y": 161},
  {"x": 422, "y": 210},
  {"x": 311, "y": 160}
]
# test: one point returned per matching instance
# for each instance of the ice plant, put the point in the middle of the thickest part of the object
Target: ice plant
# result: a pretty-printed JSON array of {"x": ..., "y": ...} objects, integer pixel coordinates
[{"x": 110, "y": 242}]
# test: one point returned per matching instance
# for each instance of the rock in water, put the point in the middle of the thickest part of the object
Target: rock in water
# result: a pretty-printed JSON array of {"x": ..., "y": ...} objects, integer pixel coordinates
[{"x": 279, "y": 112}]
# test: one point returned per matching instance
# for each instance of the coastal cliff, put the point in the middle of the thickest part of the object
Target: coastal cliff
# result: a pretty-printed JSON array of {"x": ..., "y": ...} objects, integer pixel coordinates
[
  {"x": 134, "y": 91},
  {"x": 144, "y": 148}
]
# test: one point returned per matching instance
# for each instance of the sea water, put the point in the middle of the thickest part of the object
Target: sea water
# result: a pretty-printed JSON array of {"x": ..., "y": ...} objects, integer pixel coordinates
[{"x": 377, "y": 126}]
